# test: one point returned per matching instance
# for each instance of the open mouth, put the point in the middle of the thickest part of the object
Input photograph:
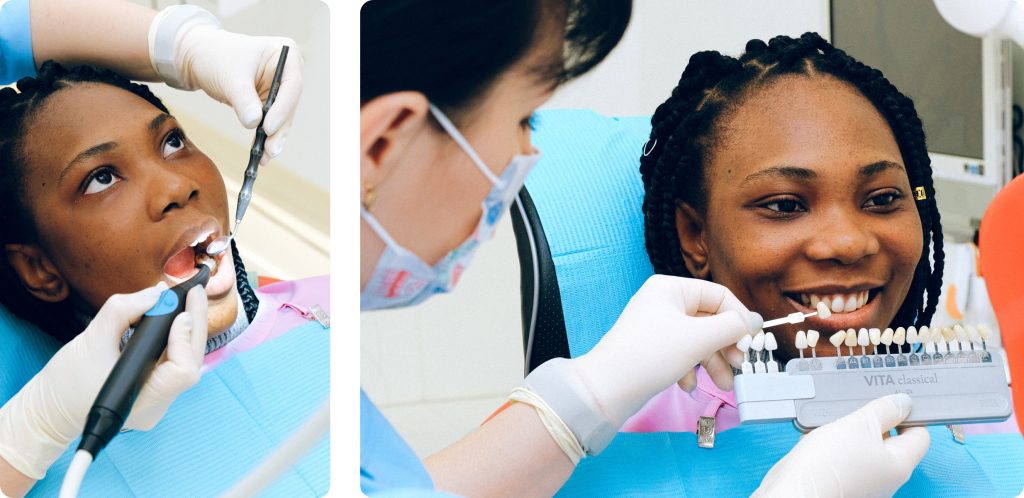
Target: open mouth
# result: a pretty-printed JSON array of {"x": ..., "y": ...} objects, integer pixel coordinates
[
  {"x": 838, "y": 303},
  {"x": 850, "y": 307},
  {"x": 182, "y": 265}
]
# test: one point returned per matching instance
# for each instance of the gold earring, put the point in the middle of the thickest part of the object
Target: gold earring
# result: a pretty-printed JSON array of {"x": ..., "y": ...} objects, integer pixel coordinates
[{"x": 370, "y": 197}]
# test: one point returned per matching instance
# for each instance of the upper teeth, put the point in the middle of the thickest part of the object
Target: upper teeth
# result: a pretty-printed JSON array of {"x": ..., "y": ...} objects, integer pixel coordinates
[
  {"x": 838, "y": 303},
  {"x": 201, "y": 238}
]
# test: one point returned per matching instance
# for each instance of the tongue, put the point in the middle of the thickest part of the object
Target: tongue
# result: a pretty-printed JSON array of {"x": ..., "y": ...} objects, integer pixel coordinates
[{"x": 181, "y": 265}]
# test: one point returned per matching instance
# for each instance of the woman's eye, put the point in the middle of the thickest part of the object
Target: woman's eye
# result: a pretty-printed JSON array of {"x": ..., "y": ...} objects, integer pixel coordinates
[
  {"x": 174, "y": 142},
  {"x": 101, "y": 180},
  {"x": 885, "y": 199},
  {"x": 784, "y": 206},
  {"x": 530, "y": 122}
]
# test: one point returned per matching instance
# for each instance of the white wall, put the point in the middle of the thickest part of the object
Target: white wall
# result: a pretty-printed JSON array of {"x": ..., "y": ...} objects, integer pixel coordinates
[{"x": 438, "y": 370}]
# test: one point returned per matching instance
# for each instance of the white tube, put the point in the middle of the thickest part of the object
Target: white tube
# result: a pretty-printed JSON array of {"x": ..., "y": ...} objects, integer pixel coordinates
[
  {"x": 76, "y": 472},
  {"x": 285, "y": 456}
]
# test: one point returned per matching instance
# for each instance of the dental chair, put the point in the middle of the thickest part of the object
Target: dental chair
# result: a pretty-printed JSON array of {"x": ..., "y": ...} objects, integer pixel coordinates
[
  {"x": 1001, "y": 242},
  {"x": 579, "y": 230}
]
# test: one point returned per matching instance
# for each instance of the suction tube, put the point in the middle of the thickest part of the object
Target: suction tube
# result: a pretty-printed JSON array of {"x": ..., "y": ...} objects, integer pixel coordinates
[{"x": 118, "y": 394}]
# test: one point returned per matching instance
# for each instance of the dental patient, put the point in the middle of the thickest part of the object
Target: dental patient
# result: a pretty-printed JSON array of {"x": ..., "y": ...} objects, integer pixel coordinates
[
  {"x": 106, "y": 195},
  {"x": 793, "y": 174}
]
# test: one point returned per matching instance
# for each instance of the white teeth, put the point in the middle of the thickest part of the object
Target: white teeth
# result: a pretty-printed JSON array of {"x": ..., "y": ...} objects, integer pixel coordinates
[
  {"x": 823, "y": 310},
  {"x": 838, "y": 304},
  {"x": 201, "y": 238}
]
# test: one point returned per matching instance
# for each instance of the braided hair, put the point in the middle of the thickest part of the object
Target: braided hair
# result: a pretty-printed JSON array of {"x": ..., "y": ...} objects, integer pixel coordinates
[
  {"x": 684, "y": 130},
  {"x": 17, "y": 225}
]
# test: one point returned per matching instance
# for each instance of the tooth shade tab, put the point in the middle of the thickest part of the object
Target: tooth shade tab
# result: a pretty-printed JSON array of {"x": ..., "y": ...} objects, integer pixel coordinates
[
  {"x": 823, "y": 310},
  {"x": 973, "y": 333},
  {"x": 837, "y": 338},
  {"x": 948, "y": 334},
  {"x": 862, "y": 337},
  {"x": 961, "y": 333},
  {"x": 876, "y": 336},
  {"x": 851, "y": 338},
  {"x": 744, "y": 344},
  {"x": 900, "y": 336},
  {"x": 757, "y": 344},
  {"x": 887, "y": 336},
  {"x": 937, "y": 335},
  {"x": 770, "y": 343},
  {"x": 912, "y": 335},
  {"x": 924, "y": 333},
  {"x": 986, "y": 334},
  {"x": 812, "y": 338},
  {"x": 801, "y": 340}
]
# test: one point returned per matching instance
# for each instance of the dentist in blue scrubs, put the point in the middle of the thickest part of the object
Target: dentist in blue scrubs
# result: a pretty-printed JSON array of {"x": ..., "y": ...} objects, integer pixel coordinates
[
  {"x": 184, "y": 47},
  {"x": 448, "y": 90}
]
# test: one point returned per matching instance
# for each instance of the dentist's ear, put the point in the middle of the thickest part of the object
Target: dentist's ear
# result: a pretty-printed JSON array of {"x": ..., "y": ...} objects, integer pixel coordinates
[
  {"x": 38, "y": 274},
  {"x": 387, "y": 125}
]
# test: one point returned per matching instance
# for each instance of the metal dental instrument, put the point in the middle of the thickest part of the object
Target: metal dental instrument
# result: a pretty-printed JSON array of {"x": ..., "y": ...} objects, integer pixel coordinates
[{"x": 245, "y": 195}]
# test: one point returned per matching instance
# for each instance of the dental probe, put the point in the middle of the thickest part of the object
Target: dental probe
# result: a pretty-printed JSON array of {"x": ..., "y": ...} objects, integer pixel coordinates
[
  {"x": 255, "y": 155},
  {"x": 798, "y": 317},
  {"x": 120, "y": 390}
]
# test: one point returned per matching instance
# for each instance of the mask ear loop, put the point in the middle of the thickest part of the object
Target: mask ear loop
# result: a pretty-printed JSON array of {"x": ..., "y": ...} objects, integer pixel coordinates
[{"x": 461, "y": 141}]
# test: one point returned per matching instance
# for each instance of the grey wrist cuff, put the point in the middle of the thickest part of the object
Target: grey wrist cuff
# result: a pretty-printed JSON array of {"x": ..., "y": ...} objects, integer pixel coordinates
[
  {"x": 560, "y": 386},
  {"x": 163, "y": 39}
]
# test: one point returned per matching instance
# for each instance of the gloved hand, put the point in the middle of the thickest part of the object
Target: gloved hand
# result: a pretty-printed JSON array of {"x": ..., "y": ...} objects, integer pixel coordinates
[
  {"x": 850, "y": 457},
  {"x": 49, "y": 412},
  {"x": 236, "y": 70},
  {"x": 669, "y": 326}
]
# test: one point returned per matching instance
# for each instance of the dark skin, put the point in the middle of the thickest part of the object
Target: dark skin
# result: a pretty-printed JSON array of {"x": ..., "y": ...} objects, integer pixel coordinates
[
  {"x": 807, "y": 193},
  {"x": 115, "y": 190}
]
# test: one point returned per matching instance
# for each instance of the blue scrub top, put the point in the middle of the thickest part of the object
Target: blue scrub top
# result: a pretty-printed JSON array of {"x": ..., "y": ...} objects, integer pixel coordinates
[
  {"x": 387, "y": 466},
  {"x": 16, "y": 59}
]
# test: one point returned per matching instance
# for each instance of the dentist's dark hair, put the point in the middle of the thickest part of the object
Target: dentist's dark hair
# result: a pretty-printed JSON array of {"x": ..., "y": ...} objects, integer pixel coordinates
[
  {"x": 685, "y": 129},
  {"x": 453, "y": 50},
  {"x": 18, "y": 106}
]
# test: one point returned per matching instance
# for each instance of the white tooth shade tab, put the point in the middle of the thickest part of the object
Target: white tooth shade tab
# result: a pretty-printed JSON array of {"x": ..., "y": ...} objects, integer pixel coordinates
[
  {"x": 770, "y": 343},
  {"x": 961, "y": 333},
  {"x": 851, "y": 337},
  {"x": 937, "y": 335},
  {"x": 912, "y": 335},
  {"x": 744, "y": 344},
  {"x": 948, "y": 334},
  {"x": 823, "y": 310},
  {"x": 862, "y": 337},
  {"x": 900, "y": 336},
  {"x": 758, "y": 342},
  {"x": 876, "y": 336},
  {"x": 838, "y": 338},
  {"x": 887, "y": 336},
  {"x": 924, "y": 334},
  {"x": 973, "y": 333},
  {"x": 801, "y": 340},
  {"x": 812, "y": 338},
  {"x": 986, "y": 334}
]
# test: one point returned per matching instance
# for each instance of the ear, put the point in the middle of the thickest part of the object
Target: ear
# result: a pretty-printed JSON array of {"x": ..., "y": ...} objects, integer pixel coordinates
[
  {"x": 690, "y": 228},
  {"x": 38, "y": 274},
  {"x": 387, "y": 125}
]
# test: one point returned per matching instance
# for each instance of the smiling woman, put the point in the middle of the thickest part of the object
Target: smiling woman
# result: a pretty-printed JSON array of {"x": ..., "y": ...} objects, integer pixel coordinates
[
  {"x": 789, "y": 176},
  {"x": 106, "y": 196}
]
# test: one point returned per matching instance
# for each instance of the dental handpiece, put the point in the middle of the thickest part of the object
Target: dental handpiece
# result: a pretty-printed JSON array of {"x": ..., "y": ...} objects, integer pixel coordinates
[
  {"x": 245, "y": 195},
  {"x": 119, "y": 392}
]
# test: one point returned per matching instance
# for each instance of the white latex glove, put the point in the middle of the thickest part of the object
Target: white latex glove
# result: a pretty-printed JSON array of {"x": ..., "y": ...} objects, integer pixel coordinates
[
  {"x": 669, "y": 326},
  {"x": 234, "y": 69},
  {"x": 850, "y": 457},
  {"x": 49, "y": 412}
]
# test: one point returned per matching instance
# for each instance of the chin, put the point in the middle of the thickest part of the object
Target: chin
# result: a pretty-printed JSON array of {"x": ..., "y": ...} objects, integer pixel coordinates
[{"x": 222, "y": 313}]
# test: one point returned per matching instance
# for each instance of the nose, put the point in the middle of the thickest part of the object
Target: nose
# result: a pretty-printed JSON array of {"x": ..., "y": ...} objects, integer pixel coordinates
[
  {"x": 841, "y": 237},
  {"x": 169, "y": 189}
]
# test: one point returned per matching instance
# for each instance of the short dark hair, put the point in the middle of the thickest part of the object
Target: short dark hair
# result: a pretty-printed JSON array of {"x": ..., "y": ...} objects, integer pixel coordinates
[
  {"x": 685, "y": 125},
  {"x": 452, "y": 50},
  {"x": 17, "y": 225}
]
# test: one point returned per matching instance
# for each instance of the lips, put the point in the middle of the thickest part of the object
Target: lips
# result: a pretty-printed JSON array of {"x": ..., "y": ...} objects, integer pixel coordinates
[{"x": 181, "y": 264}]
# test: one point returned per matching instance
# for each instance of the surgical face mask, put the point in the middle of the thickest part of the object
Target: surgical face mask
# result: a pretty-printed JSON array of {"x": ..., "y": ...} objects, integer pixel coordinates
[{"x": 401, "y": 278}]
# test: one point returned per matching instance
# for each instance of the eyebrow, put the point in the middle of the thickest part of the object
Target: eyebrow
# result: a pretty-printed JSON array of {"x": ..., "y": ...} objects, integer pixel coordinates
[
  {"x": 791, "y": 172},
  {"x": 878, "y": 167},
  {"x": 96, "y": 150}
]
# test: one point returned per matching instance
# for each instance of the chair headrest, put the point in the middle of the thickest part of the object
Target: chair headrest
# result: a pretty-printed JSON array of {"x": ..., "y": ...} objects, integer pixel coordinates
[
  {"x": 24, "y": 349},
  {"x": 588, "y": 193}
]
